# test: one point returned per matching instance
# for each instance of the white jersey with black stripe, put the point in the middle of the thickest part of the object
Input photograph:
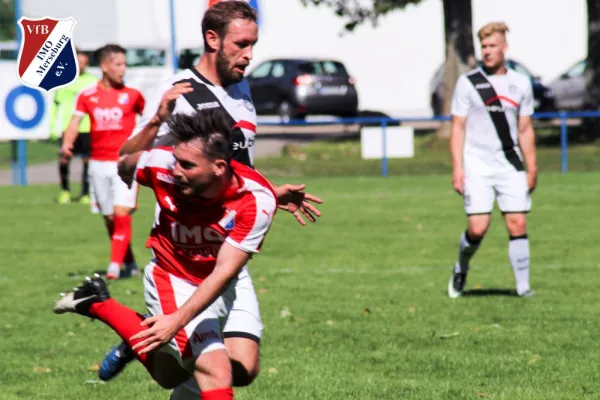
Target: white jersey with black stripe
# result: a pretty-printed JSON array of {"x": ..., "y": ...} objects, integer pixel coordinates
[
  {"x": 235, "y": 99},
  {"x": 485, "y": 146}
]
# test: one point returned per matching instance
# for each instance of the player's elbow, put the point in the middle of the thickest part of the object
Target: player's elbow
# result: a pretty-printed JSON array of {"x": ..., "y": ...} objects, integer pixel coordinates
[{"x": 124, "y": 170}]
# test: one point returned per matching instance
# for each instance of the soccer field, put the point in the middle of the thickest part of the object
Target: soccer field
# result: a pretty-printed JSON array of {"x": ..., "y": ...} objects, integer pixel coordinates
[{"x": 354, "y": 307}]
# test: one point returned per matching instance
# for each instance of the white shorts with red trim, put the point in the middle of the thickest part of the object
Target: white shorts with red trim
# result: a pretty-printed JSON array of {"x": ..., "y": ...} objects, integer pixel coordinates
[
  {"x": 107, "y": 190},
  {"x": 234, "y": 313}
]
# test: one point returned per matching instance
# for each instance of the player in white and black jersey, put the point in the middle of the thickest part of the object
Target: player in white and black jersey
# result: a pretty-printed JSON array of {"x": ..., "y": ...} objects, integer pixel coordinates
[
  {"x": 491, "y": 134},
  {"x": 217, "y": 81},
  {"x": 197, "y": 93}
]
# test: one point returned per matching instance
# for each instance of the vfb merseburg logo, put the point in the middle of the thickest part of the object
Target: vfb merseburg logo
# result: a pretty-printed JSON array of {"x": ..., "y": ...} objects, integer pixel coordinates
[{"x": 47, "y": 55}]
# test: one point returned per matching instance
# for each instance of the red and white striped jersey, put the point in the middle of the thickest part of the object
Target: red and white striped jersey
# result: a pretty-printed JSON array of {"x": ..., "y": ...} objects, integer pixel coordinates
[{"x": 190, "y": 231}]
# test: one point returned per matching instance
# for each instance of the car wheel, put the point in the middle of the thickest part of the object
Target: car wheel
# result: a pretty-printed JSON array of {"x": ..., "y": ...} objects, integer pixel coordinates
[{"x": 285, "y": 111}]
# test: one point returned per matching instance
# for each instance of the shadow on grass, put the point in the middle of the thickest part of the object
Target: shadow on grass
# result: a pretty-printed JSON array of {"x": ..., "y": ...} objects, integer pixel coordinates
[{"x": 489, "y": 292}]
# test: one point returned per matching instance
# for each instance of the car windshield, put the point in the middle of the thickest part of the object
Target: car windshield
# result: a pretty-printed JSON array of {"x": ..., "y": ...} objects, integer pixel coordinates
[
  {"x": 521, "y": 69},
  {"x": 576, "y": 70},
  {"x": 328, "y": 68},
  {"x": 8, "y": 55}
]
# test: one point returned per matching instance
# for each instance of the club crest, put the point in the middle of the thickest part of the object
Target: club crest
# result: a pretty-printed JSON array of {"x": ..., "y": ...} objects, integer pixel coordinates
[{"x": 47, "y": 58}]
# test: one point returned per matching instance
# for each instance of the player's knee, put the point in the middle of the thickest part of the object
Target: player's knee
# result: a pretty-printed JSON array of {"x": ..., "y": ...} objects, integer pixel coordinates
[
  {"x": 516, "y": 226},
  {"x": 477, "y": 232},
  {"x": 244, "y": 374},
  {"x": 120, "y": 211},
  {"x": 218, "y": 375}
]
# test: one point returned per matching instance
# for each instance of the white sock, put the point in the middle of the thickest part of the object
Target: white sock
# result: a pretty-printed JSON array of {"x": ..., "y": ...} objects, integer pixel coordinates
[
  {"x": 467, "y": 248},
  {"x": 518, "y": 254},
  {"x": 114, "y": 268}
]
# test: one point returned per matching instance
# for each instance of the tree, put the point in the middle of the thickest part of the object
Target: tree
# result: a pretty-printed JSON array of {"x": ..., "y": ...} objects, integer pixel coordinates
[
  {"x": 7, "y": 20},
  {"x": 460, "y": 52},
  {"x": 592, "y": 74}
]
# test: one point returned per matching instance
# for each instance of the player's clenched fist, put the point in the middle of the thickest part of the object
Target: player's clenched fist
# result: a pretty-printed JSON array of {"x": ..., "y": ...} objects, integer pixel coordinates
[
  {"x": 67, "y": 149},
  {"x": 458, "y": 181},
  {"x": 167, "y": 104}
]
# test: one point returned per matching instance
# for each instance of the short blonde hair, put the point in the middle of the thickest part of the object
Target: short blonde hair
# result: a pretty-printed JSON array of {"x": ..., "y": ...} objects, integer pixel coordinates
[{"x": 489, "y": 29}]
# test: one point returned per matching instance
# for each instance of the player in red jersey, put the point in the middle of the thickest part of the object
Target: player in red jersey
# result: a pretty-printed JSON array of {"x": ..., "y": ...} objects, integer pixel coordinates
[
  {"x": 112, "y": 108},
  {"x": 230, "y": 31},
  {"x": 214, "y": 214}
]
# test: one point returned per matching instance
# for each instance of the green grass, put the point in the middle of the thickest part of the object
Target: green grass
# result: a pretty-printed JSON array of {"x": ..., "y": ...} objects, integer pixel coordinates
[
  {"x": 365, "y": 288},
  {"x": 37, "y": 152},
  {"x": 344, "y": 159}
]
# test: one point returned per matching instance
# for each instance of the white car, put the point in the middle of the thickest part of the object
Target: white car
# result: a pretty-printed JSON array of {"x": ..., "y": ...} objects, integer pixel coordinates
[{"x": 568, "y": 89}]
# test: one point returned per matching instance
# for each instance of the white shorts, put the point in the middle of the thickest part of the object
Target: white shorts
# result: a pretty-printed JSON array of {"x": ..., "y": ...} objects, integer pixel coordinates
[
  {"x": 107, "y": 190},
  {"x": 235, "y": 313},
  {"x": 509, "y": 188}
]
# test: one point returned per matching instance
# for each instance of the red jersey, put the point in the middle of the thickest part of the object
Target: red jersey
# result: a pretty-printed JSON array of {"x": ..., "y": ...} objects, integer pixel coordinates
[
  {"x": 190, "y": 231},
  {"x": 112, "y": 117}
]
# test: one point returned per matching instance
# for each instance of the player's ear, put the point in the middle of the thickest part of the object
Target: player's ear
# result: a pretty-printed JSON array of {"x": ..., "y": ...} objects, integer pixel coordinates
[
  {"x": 213, "y": 40},
  {"x": 220, "y": 167}
]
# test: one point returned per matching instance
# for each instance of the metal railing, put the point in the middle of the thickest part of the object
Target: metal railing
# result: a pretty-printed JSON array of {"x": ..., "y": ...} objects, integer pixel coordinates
[{"x": 384, "y": 122}]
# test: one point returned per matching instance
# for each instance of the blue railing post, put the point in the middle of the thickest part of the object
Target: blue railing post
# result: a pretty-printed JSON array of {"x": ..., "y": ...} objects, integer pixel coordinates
[
  {"x": 384, "y": 160},
  {"x": 563, "y": 142},
  {"x": 175, "y": 53},
  {"x": 19, "y": 147}
]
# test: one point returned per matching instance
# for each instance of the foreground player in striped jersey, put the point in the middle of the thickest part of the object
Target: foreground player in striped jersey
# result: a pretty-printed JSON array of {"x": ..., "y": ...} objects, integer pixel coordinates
[
  {"x": 491, "y": 132},
  {"x": 217, "y": 82},
  {"x": 214, "y": 215}
]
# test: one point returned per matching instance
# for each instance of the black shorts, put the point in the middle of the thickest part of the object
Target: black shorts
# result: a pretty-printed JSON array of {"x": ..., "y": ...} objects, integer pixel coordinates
[{"x": 82, "y": 145}]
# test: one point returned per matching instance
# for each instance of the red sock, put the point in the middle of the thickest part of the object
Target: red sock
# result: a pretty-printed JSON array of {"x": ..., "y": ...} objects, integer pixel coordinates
[
  {"x": 120, "y": 239},
  {"x": 217, "y": 394},
  {"x": 123, "y": 320},
  {"x": 129, "y": 257}
]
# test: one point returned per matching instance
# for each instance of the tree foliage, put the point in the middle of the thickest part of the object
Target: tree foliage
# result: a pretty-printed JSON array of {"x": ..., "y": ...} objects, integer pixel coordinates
[
  {"x": 355, "y": 12},
  {"x": 7, "y": 20}
]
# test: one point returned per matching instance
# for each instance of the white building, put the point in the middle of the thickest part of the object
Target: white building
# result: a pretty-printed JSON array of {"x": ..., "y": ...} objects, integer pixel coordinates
[{"x": 392, "y": 63}]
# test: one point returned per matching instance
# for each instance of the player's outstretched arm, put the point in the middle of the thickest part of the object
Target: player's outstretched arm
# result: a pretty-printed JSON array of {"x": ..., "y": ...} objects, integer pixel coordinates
[
  {"x": 527, "y": 145},
  {"x": 163, "y": 328},
  {"x": 70, "y": 136},
  {"x": 457, "y": 142}
]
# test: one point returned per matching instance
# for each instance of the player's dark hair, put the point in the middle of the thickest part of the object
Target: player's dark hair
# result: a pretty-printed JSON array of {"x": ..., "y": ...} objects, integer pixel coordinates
[
  {"x": 218, "y": 17},
  {"x": 105, "y": 51},
  {"x": 212, "y": 128}
]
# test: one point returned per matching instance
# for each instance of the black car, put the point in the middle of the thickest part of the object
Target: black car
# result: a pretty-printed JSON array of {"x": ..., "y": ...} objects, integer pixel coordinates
[
  {"x": 294, "y": 88},
  {"x": 541, "y": 93}
]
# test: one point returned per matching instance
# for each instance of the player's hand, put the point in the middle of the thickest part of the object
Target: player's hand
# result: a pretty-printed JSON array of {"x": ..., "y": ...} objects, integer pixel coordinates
[
  {"x": 162, "y": 329},
  {"x": 67, "y": 150},
  {"x": 167, "y": 104},
  {"x": 292, "y": 199},
  {"x": 458, "y": 181},
  {"x": 531, "y": 180}
]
